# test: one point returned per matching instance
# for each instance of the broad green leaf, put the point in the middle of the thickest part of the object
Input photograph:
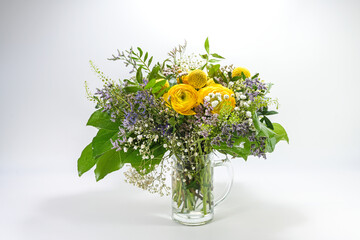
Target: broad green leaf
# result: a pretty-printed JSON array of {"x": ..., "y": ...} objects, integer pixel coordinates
[
  {"x": 217, "y": 56},
  {"x": 270, "y": 144},
  {"x": 150, "y": 84},
  {"x": 280, "y": 133},
  {"x": 107, "y": 163},
  {"x": 241, "y": 148},
  {"x": 86, "y": 160},
  {"x": 100, "y": 119},
  {"x": 268, "y": 122},
  {"x": 101, "y": 142},
  {"x": 207, "y": 47},
  {"x": 160, "y": 83},
  {"x": 156, "y": 89},
  {"x": 154, "y": 72},
  {"x": 261, "y": 128}
]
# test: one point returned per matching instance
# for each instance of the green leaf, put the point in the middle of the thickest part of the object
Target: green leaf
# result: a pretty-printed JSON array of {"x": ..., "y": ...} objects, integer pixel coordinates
[
  {"x": 160, "y": 83},
  {"x": 213, "y": 69},
  {"x": 107, "y": 163},
  {"x": 131, "y": 89},
  {"x": 150, "y": 84},
  {"x": 150, "y": 60},
  {"x": 154, "y": 72},
  {"x": 139, "y": 76},
  {"x": 101, "y": 142},
  {"x": 217, "y": 56},
  {"x": 172, "y": 121},
  {"x": 155, "y": 89},
  {"x": 280, "y": 133},
  {"x": 243, "y": 75},
  {"x": 140, "y": 51},
  {"x": 268, "y": 122},
  {"x": 270, "y": 144},
  {"x": 214, "y": 60},
  {"x": 204, "y": 56},
  {"x": 241, "y": 148},
  {"x": 207, "y": 47},
  {"x": 235, "y": 78},
  {"x": 100, "y": 119},
  {"x": 256, "y": 75},
  {"x": 86, "y": 160},
  {"x": 146, "y": 56},
  {"x": 161, "y": 93},
  {"x": 261, "y": 128}
]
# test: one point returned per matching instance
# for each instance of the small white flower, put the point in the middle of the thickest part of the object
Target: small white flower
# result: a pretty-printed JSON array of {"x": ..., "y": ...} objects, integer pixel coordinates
[
  {"x": 152, "y": 156},
  {"x": 250, "y": 121},
  {"x": 191, "y": 148},
  {"x": 242, "y": 97},
  {"x": 130, "y": 140},
  {"x": 236, "y": 108},
  {"x": 214, "y": 103},
  {"x": 218, "y": 94},
  {"x": 246, "y": 104},
  {"x": 211, "y": 95},
  {"x": 231, "y": 84},
  {"x": 179, "y": 144},
  {"x": 165, "y": 145},
  {"x": 237, "y": 94},
  {"x": 241, "y": 145},
  {"x": 207, "y": 99},
  {"x": 139, "y": 137},
  {"x": 185, "y": 150},
  {"x": 248, "y": 114},
  {"x": 135, "y": 147},
  {"x": 156, "y": 138},
  {"x": 219, "y": 98},
  {"x": 195, "y": 154},
  {"x": 146, "y": 125},
  {"x": 142, "y": 146},
  {"x": 125, "y": 149},
  {"x": 226, "y": 96}
]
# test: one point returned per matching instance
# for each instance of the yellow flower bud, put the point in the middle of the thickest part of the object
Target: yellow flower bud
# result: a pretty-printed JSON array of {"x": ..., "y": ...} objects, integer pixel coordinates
[
  {"x": 197, "y": 78},
  {"x": 237, "y": 72}
]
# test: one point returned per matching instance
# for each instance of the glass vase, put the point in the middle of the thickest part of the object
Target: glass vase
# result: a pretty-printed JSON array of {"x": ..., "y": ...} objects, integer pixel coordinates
[{"x": 192, "y": 188}]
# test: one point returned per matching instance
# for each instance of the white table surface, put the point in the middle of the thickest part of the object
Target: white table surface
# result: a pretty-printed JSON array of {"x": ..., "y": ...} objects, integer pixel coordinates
[{"x": 265, "y": 203}]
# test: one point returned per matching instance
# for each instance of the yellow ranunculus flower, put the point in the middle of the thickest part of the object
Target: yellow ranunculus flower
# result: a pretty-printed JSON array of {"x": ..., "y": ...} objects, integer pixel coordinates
[
  {"x": 183, "y": 98},
  {"x": 226, "y": 98},
  {"x": 237, "y": 72},
  {"x": 197, "y": 78}
]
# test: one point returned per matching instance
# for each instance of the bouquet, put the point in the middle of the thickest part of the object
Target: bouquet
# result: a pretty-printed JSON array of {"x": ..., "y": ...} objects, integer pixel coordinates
[{"x": 171, "y": 115}]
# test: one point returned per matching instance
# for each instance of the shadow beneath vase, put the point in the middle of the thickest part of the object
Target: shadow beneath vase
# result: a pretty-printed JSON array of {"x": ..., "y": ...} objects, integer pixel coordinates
[{"x": 93, "y": 213}]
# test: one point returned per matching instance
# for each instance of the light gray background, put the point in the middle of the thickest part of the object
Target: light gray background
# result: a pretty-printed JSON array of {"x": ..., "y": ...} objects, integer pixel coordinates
[{"x": 308, "y": 49}]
